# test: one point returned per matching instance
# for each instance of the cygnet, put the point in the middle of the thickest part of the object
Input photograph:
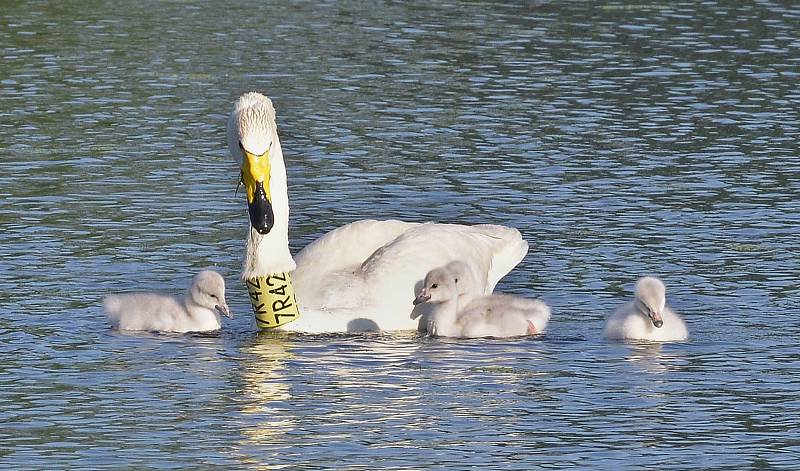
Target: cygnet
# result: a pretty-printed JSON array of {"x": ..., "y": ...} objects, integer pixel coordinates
[
  {"x": 646, "y": 317},
  {"x": 468, "y": 285},
  {"x": 198, "y": 311},
  {"x": 484, "y": 316}
]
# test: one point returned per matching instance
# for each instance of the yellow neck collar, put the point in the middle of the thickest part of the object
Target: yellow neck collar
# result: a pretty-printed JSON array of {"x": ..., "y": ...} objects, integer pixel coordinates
[{"x": 273, "y": 299}]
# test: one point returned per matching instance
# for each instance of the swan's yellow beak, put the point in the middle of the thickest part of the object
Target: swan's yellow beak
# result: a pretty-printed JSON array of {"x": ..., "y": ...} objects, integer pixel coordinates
[{"x": 255, "y": 176}]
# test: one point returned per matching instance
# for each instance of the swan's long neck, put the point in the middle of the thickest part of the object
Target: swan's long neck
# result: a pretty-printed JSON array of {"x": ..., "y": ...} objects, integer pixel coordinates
[
  {"x": 443, "y": 318},
  {"x": 269, "y": 254},
  {"x": 267, "y": 259}
]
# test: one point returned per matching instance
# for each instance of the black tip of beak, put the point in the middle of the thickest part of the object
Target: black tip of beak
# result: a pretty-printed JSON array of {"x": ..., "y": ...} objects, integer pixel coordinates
[
  {"x": 261, "y": 216},
  {"x": 421, "y": 299},
  {"x": 658, "y": 323}
]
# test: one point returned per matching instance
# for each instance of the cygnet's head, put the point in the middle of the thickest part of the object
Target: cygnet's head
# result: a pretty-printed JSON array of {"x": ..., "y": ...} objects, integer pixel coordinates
[
  {"x": 439, "y": 286},
  {"x": 461, "y": 275},
  {"x": 251, "y": 131},
  {"x": 651, "y": 298},
  {"x": 208, "y": 290}
]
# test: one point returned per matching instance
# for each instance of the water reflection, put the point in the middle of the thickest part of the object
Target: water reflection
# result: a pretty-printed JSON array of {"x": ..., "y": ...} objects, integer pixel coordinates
[
  {"x": 265, "y": 389},
  {"x": 653, "y": 358}
]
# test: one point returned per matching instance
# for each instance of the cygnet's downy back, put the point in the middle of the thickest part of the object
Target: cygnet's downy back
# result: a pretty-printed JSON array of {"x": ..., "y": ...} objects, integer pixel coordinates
[{"x": 198, "y": 311}]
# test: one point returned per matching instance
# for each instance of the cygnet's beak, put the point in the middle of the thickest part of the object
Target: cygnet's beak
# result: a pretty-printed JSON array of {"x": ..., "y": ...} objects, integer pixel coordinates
[
  {"x": 255, "y": 176},
  {"x": 423, "y": 297},
  {"x": 224, "y": 310},
  {"x": 656, "y": 318}
]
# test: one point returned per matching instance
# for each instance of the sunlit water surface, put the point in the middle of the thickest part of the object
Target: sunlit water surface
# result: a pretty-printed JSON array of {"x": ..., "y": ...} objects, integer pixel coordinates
[{"x": 621, "y": 140}]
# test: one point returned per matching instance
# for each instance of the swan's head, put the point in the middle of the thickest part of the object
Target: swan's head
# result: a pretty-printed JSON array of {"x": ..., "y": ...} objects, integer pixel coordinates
[
  {"x": 208, "y": 290},
  {"x": 651, "y": 298},
  {"x": 439, "y": 286},
  {"x": 251, "y": 132}
]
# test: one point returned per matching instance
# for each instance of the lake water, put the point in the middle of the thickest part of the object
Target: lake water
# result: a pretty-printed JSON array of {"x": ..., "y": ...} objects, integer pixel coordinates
[{"x": 621, "y": 140}]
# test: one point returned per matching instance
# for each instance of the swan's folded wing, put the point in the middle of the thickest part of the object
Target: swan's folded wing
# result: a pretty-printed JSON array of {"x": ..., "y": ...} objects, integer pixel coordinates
[
  {"x": 401, "y": 265},
  {"x": 326, "y": 278},
  {"x": 348, "y": 246},
  {"x": 508, "y": 249}
]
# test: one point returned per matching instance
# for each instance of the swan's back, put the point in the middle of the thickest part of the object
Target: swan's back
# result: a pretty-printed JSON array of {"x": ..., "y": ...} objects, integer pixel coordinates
[
  {"x": 395, "y": 271},
  {"x": 325, "y": 277},
  {"x": 348, "y": 245}
]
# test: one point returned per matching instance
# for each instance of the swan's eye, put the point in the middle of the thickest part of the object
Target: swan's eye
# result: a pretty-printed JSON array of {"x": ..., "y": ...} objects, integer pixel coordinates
[
  {"x": 241, "y": 147},
  {"x": 214, "y": 296},
  {"x": 434, "y": 286},
  {"x": 456, "y": 280}
]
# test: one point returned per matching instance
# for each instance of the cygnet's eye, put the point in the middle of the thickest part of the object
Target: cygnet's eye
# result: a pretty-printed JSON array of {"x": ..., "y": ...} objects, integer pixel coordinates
[
  {"x": 456, "y": 280},
  {"x": 214, "y": 296},
  {"x": 434, "y": 286}
]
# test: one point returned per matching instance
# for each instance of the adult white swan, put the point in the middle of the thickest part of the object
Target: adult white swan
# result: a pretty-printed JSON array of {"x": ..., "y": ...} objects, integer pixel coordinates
[{"x": 361, "y": 276}]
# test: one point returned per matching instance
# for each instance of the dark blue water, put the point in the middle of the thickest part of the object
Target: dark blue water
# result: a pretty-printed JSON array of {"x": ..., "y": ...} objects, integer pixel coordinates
[{"x": 620, "y": 139}]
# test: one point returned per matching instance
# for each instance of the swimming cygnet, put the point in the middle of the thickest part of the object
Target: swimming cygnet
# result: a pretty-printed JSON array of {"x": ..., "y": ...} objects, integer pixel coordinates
[
  {"x": 198, "y": 311},
  {"x": 467, "y": 284},
  {"x": 646, "y": 317},
  {"x": 495, "y": 315}
]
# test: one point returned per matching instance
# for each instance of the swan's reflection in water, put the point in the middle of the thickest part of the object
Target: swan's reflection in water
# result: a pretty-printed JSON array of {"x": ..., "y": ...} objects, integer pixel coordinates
[
  {"x": 337, "y": 391},
  {"x": 265, "y": 392},
  {"x": 658, "y": 368}
]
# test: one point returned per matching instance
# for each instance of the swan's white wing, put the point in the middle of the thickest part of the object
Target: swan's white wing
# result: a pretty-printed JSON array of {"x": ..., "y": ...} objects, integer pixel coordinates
[
  {"x": 325, "y": 275},
  {"x": 507, "y": 251},
  {"x": 347, "y": 246}
]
